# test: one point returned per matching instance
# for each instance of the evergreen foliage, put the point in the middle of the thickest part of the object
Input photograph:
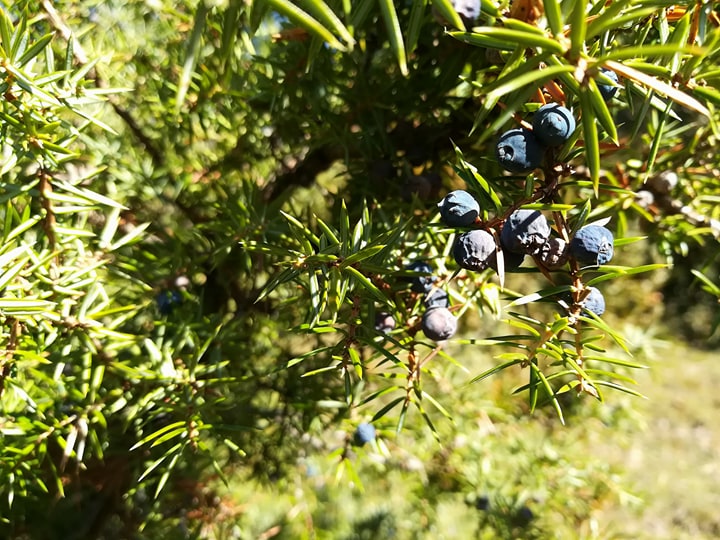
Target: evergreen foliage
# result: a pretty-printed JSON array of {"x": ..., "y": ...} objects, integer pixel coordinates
[{"x": 208, "y": 206}]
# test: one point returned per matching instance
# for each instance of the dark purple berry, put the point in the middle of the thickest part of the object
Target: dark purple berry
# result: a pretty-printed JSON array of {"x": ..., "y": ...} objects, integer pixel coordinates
[
  {"x": 459, "y": 209},
  {"x": 592, "y": 245},
  {"x": 663, "y": 183},
  {"x": 519, "y": 151},
  {"x": 439, "y": 324},
  {"x": 524, "y": 516},
  {"x": 473, "y": 250},
  {"x": 554, "y": 253},
  {"x": 525, "y": 231},
  {"x": 553, "y": 124}
]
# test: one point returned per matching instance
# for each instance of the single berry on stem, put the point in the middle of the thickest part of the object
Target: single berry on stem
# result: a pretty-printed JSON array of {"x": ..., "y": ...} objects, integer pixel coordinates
[
  {"x": 608, "y": 91},
  {"x": 519, "y": 151},
  {"x": 439, "y": 324},
  {"x": 592, "y": 245},
  {"x": 553, "y": 124},
  {"x": 474, "y": 250},
  {"x": 525, "y": 231},
  {"x": 459, "y": 209}
]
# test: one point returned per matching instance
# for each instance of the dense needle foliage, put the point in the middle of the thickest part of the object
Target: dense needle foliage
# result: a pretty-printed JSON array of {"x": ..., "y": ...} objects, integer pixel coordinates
[{"x": 208, "y": 214}]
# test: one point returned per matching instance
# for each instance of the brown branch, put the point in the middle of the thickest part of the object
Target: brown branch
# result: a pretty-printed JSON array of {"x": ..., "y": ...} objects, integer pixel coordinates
[{"x": 6, "y": 362}]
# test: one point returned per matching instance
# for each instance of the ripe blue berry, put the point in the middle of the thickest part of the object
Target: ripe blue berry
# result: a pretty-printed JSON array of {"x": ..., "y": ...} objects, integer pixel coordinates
[
  {"x": 608, "y": 91},
  {"x": 364, "y": 434},
  {"x": 519, "y": 151},
  {"x": 553, "y": 124},
  {"x": 525, "y": 231},
  {"x": 166, "y": 301},
  {"x": 459, "y": 209},
  {"x": 439, "y": 324},
  {"x": 421, "y": 284},
  {"x": 474, "y": 250},
  {"x": 384, "y": 322},
  {"x": 436, "y": 298},
  {"x": 593, "y": 245},
  {"x": 594, "y": 302}
]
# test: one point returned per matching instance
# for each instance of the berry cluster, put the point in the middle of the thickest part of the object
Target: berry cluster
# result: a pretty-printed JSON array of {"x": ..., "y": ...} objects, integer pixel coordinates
[
  {"x": 524, "y": 232},
  {"x": 504, "y": 243},
  {"x": 438, "y": 323}
]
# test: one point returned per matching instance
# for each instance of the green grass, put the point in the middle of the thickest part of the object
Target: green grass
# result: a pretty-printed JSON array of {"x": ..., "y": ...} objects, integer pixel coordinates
[
  {"x": 630, "y": 468},
  {"x": 673, "y": 462}
]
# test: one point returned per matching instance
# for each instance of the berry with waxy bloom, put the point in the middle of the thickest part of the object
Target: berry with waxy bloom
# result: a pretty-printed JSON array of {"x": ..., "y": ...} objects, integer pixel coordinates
[
  {"x": 553, "y": 124},
  {"x": 519, "y": 151},
  {"x": 525, "y": 231},
  {"x": 364, "y": 434},
  {"x": 459, "y": 209},
  {"x": 473, "y": 250},
  {"x": 439, "y": 324},
  {"x": 592, "y": 245},
  {"x": 608, "y": 91}
]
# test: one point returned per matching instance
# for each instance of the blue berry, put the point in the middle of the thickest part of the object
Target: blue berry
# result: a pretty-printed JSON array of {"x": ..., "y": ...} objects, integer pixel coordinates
[
  {"x": 594, "y": 302},
  {"x": 436, "y": 298},
  {"x": 166, "y": 301},
  {"x": 519, "y": 151},
  {"x": 384, "y": 322},
  {"x": 608, "y": 91},
  {"x": 439, "y": 324},
  {"x": 553, "y": 124},
  {"x": 459, "y": 209},
  {"x": 364, "y": 434},
  {"x": 421, "y": 284},
  {"x": 593, "y": 245},
  {"x": 525, "y": 231},
  {"x": 473, "y": 250},
  {"x": 524, "y": 516}
]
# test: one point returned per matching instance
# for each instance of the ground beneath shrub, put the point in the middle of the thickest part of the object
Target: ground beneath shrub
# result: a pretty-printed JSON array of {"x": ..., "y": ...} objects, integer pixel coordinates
[{"x": 673, "y": 463}]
